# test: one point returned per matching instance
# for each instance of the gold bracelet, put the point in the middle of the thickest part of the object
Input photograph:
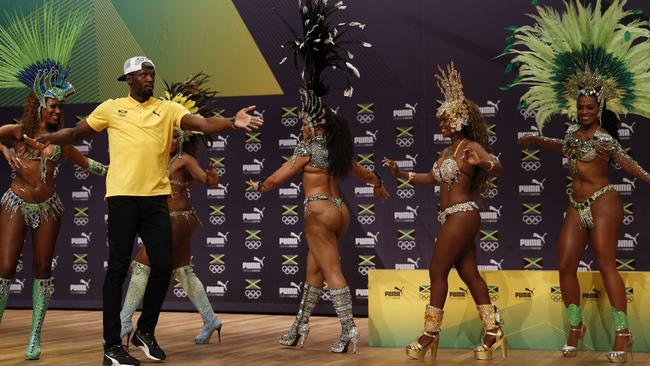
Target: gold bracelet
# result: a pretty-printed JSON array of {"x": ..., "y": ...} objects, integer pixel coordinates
[
  {"x": 492, "y": 164},
  {"x": 411, "y": 175}
]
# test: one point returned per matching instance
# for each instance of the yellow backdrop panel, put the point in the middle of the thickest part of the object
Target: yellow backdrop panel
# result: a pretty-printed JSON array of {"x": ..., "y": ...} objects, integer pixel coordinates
[{"x": 530, "y": 303}]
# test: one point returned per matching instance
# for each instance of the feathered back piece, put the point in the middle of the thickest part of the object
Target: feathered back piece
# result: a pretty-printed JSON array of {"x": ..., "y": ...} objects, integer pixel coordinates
[
  {"x": 35, "y": 51},
  {"x": 583, "y": 51},
  {"x": 453, "y": 106},
  {"x": 319, "y": 46},
  {"x": 193, "y": 95}
]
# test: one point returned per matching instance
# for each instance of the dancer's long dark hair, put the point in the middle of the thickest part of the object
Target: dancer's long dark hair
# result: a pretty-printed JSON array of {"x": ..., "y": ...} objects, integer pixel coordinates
[
  {"x": 476, "y": 130},
  {"x": 609, "y": 122},
  {"x": 339, "y": 144}
]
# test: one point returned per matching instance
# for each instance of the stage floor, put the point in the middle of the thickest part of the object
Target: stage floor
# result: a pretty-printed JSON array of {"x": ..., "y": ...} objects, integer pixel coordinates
[{"x": 74, "y": 338}]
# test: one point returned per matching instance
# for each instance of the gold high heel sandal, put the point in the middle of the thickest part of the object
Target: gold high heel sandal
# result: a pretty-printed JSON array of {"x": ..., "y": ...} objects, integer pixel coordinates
[
  {"x": 572, "y": 351},
  {"x": 416, "y": 351},
  {"x": 621, "y": 356},
  {"x": 489, "y": 314},
  {"x": 432, "y": 321},
  {"x": 619, "y": 318}
]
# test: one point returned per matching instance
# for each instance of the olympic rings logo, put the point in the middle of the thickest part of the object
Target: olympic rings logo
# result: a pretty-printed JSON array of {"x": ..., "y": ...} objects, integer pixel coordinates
[
  {"x": 253, "y": 244},
  {"x": 425, "y": 297},
  {"x": 290, "y": 270},
  {"x": 217, "y": 220},
  {"x": 179, "y": 292},
  {"x": 531, "y": 114},
  {"x": 406, "y": 244},
  {"x": 221, "y": 171},
  {"x": 492, "y": 139},
  {"x": 365, "y": 117},
  {"x": 19, "y": 267},
  {"x": 490, "y": 193},
  {"x": 489, "y": 246},
  {"x": 365, "y": 269},
  {"x": 628, "y": 219},
  {"x": 289, "y": 121},
  {"x": 494, "y": 297},
  {"x": 217, "y": 268},
  {"x": 252, "y": 146},
  {"x": 531, "y": 166},
  {"x": 366, "y": 220},
  {"x": 404, "y": 193},
  {"x": 253, "y": 294},
  {"x": 290, "y": 220},
  {"x": 531, "y": 219},
  {"x": 616, "y": 166},
  {"x": 369, "y": 167},
  {"x": 80, "y": 267},
  {"x": 556, "y": 298},
  {"x": 81, "y": 174},
  {"x": 253, "y": 196},
  {"x": 404, "y": 141},
  {"x": 325, "y": 295},
  {"x": 80, "y": 221}
]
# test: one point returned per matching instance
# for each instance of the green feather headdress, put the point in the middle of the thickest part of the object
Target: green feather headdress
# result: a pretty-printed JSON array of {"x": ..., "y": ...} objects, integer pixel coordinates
[
  {"x": 35, "y": 51},
  {"x": 583, "y": 51}
]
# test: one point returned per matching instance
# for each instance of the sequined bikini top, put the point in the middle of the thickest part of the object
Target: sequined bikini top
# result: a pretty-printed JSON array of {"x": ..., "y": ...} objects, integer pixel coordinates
[
  {"x": 448, "y": 170},
  {"x": 316, "y": 148},
  {"x": 33, "y": 154},
  {"x": 586, "y": 149}
]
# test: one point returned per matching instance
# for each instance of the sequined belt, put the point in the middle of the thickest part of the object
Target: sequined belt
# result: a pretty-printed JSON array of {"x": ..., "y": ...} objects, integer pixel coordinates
[
  {"x": 322, "y": 197},
  {"x": 459, "y": 207},
  {"x": 33, "y": 213},
  {"x": 584, "y": 207}
]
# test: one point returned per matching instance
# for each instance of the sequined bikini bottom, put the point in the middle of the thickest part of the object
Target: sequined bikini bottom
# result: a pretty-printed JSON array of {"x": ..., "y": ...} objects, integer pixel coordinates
[
  {"x": 459, "y": 207},
  {"x": 584, "y": 207},
  {"x": 186, "y": 214},
  {"x": 321, "y": 197},
  {"x": 33, "y": 213}
]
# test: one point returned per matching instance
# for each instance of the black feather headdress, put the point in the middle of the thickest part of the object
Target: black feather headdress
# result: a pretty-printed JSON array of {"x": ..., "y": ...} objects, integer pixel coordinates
[{"x": 319, "y": 46}]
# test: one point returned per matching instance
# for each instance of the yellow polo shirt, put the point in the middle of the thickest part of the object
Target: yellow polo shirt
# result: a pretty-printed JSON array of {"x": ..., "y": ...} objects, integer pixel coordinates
[{"x": 139, "y": 140}]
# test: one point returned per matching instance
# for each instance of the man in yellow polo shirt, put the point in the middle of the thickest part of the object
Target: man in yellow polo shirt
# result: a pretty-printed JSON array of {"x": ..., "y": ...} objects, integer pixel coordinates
[{"x": 140, "y": 130}]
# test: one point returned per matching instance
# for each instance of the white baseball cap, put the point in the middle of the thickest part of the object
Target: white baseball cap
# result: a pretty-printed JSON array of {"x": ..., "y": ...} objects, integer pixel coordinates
[{"x": 134, "y": 64}]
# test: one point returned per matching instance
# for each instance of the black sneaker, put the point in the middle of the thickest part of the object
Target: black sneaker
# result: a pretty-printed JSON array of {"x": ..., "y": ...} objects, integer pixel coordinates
[
  {"x": 117, "y": 356},
  {"x": 147, "y": 343}
]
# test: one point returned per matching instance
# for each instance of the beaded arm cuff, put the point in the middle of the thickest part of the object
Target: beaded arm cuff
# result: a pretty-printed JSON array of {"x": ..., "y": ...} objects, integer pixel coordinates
[{"x": 96, "y": 168}]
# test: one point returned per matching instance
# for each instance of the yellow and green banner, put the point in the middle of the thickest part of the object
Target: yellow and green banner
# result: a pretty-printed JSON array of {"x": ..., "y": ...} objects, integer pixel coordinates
[{"x": 530, "y": 303}]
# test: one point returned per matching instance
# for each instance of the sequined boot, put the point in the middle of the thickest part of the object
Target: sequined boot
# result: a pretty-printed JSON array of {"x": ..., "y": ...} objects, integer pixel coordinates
[
  {"x": 299, "y": 330},
  {"x": 196, "y": 292},
  {"x": 432, "y": 322},
  {"x": 574, "y": 315},
  {"x": 134, "y": 294},
  {"x": 489, "y": 314},
  {"x": 619, "y": 319},
  {"x": 5, "y": 286},
  {"x": 342, "y": 301},
  {"x": 41, "y": 294}
]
